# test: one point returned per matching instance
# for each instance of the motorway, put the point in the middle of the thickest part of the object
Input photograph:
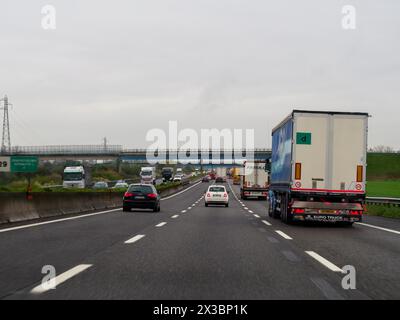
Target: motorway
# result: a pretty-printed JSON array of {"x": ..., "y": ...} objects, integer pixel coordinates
[{"x": 189, "y": 251}]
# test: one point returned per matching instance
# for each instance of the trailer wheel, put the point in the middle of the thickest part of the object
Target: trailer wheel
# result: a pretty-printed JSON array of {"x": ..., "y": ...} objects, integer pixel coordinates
[{"x": 285, "y": 215}]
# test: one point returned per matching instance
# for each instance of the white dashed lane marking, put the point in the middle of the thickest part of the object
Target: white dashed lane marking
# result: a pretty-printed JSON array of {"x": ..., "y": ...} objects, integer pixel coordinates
[
  {"x": 265, "y": 222},
  {"x": 323, "y": 261},
  {"x": 161, "y": 224},
  {"x": 135, "y": 238},
  {"x": 283, "y": 235},
  {"x": 62, "y": 278}
]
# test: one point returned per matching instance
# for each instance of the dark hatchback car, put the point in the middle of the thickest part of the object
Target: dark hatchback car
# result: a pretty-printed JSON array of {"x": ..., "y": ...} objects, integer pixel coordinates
[
  {"x": 205, "y": 179},
  {"x": 141, "y": 196}
]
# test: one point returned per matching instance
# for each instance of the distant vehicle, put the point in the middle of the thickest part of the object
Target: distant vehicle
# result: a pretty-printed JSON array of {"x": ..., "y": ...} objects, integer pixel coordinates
[
  {"x": 318, "y": 167},
  {"x": 212, "y": 175},
  {"x": 219, "y": 180},
  {"x": 141, "y": 196},
  {"x": 254, "y": 182},
  {"x": 178, "y": 178},
  {"x": 205, "y": 179},
  {"x": 220, "y": 172},
  {"x": 167, "y": 174},
  {"x": 236, "y": 176},
  {"x": 121, "y": 185},
  {"x": 148, "y": 175},
  {"x": 217, "y": 194},
  {"x": 76, "y": 177},
  {"x": 100, "y": 185},
  {"x": 179, "y": 170}
]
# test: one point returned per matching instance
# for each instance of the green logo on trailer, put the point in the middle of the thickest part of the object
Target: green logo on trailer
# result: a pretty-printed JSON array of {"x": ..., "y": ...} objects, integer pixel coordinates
[
  {"x": 24, "y": 164},
  {"x": 303, "y": 138}
]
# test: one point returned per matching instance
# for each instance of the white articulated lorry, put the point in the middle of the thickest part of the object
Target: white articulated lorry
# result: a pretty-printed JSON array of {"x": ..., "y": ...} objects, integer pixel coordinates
[
  {"x": 318, "y": 167},
  {"x": 254, "y": 180}
]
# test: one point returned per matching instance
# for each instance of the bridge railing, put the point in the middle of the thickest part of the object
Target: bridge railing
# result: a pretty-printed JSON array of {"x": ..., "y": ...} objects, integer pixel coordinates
[
  {"x": 113, "y": 149},
  {"x": 67, "y": 149}
]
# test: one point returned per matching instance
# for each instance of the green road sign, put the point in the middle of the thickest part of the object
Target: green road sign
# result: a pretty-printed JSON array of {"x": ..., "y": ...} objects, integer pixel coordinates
[
  {"x": 4, "y": 164},
  {"x": 303, "y": 138},
  {"x": 24, "y": 164}
]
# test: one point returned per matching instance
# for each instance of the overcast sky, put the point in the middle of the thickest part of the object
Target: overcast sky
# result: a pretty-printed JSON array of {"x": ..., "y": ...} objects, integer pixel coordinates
[{"x": 117, "y": 69}]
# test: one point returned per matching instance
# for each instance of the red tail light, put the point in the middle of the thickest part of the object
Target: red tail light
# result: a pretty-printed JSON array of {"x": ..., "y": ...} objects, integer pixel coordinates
[
  {"x": 128, "y": 194},
  {"x": 208, "y": 195},
  {"x": 225, "y": 195},
  {"x": 298, "y": 210},
  {"x": 152, "y": 195},
  {"x": 353, "y": 212}
]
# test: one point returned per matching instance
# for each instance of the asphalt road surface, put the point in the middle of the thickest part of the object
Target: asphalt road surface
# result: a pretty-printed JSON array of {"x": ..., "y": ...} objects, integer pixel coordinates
[{"x": 189, "y": 251}]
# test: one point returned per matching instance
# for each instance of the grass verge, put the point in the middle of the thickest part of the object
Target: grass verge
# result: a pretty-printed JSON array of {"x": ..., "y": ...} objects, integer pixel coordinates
[
  {"x": 385, "y": 188},
  {"x": 383, "y": 211}
]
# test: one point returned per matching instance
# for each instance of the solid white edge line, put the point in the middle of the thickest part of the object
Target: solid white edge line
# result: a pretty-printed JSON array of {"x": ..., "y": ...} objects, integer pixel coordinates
[
  {"x": 266, "y": 222},
  {"x": 180, "y": 192},
  {"x": 379, "y": 228},
  {"x": 62, "y": 277},
  {"x": 283, "y": 235},
  {"x": 175, "y": 216},
  {"x": 134, "y": 239},
  {"x": 58, "y": 220},
  {"x": 161, "y": 224},
  {"x": 323, "y": 261}
]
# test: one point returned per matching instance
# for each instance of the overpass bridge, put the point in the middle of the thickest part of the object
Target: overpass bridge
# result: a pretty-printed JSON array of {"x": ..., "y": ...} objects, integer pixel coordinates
[{"x": 118, "y": 153}]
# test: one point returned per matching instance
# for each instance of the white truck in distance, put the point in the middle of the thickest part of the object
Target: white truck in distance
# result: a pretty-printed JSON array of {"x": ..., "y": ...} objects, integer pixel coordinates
[
  {"x": 75, "y": 177},
  {"x": 148, "y": 175},
  {"x": 254, "y": 180},
  {"x": 318, "y": 166}
]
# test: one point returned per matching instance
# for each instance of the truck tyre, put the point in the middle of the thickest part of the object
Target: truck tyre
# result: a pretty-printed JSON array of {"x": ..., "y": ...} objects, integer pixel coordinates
[{"x": 286, "y": 217}]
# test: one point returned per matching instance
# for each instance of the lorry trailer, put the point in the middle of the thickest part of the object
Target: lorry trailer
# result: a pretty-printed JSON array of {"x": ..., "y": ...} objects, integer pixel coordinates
[
  {"x": 254, "y": 180},
  {"x": 318, "y": 167}
]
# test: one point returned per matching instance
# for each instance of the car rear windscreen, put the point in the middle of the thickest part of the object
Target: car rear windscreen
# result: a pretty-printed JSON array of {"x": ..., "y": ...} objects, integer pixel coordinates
[
  {"x": 141, "y": 189},
  {"x": 217, "y": 189}
]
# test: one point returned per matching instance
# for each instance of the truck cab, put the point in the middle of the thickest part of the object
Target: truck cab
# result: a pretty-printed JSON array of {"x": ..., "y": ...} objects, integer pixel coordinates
[
  {"x": 148, "y": 175},
  {"x": 74, "y": 177}
]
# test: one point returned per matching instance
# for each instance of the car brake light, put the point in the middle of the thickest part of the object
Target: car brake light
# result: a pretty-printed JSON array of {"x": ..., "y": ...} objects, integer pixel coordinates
[
  {"x": 225, "y": 195},
  {"x": 355, "y": 211},
  {"x": 128, "y": 194},
  {"x": 298, "y": 210},
  {"x": 208, "y": 195},
  {"x": 152, "y": 195}
]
